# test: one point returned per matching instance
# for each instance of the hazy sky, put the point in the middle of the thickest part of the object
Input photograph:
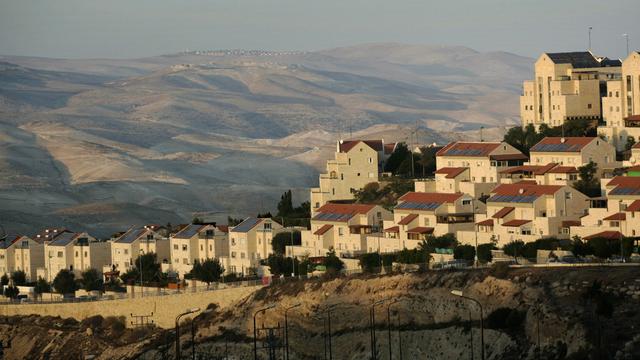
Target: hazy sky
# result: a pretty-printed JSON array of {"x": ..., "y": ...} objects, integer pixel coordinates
[{"x": 135, "y": 28}]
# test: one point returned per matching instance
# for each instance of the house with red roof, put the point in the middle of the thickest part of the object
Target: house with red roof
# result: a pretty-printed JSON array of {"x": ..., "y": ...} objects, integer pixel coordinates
[
  {"x": 197, "y": 242},
  {"x": 356, "y": 164},
  {"x": 342, "y": 227},
  {"x": 249, "y": 243},
  {"x": 549, "y": 174},
  {"x": 527, "y": 212},
  {"x": 419, "y": 215},
  {"x": 474, "y": 168},
  {"x": 574, "y": 152},
  {"x": 618, "y": 210}
]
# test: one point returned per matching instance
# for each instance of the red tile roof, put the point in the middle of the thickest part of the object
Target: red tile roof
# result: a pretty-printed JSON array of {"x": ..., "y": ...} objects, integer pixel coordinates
[
  {"x": 525, "y": 189},
  {"x": 632, "y": 118},
  {"x": 408, "y": 219},
  {"x": 476, "y": 149},
  {"x": 569, "y": 223},
  {"x": 488, "y": 222},
  {"x": 516, "y": 223},
  {"x": 452, "y": 172},
  {"x": 634, "y": 206},
  {"x": 563, "y": 144},
  {"x": 616, "y": 216},
  {"x": 421, "y": 197},
  {"x": 322, "y": 230},
  {"x": 393, "y": 229},
  {"x": 332, "y": 208},
  {"x": 625, "y": 181},
  {"x": 347, "y": 145},
  {"x": 563, "y": 170},
  {"x": 421, "y": 230},
  {"x": 609, "y": 234},
  {"x": 503, "y": 212},
  {"x": 636, "y": 146},
  {"x": 223, "y": 228}
]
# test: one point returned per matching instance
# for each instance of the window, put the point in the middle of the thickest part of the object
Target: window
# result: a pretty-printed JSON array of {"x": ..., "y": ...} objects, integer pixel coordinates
[
  {"x": 233, "y": 254},
  {"x": 358, "y": 174},
  {"x": 201, "y": 247},
  {"x": 242, "y": 255},
  {"x": 185, "y": 247},
  {"x": 340, "y": 231},
  {"x": 175, "y": 246},
  {"x": 267, "y": 226},
  {"x": 370, "y": 161},
  {"x": 466, "y": 202},
  {"x": 76, "y": 253},
  {"x": 126, "y": 251},
  {"x": 185, "y": 261},
  {"x": 86, "y": 254}
]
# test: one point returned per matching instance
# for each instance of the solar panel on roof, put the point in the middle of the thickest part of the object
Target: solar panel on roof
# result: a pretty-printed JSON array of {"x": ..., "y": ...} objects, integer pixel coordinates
[
  {"x": 189, "y": 231},
  {"x": 246, "y": 225},
  {"x": 63, "y": 239}
]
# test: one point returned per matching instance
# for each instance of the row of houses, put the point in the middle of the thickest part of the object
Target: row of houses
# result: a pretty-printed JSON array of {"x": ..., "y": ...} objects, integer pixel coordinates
[{"x": 239, "y": 248}]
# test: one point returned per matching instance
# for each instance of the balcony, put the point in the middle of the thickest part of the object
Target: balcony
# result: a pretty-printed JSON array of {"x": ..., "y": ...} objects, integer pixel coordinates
[{"x": 454, "y": 218}]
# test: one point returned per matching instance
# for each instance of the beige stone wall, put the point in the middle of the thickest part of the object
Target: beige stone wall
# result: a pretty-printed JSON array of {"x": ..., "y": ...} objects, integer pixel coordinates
[{"x": 165, "y": 308}]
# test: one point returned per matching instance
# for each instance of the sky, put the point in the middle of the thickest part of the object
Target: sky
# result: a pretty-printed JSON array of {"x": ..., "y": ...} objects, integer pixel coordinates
[{"x": 138, "y": 28}]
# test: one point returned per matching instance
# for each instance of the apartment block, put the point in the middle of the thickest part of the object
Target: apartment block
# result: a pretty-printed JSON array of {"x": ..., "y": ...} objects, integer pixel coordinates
[
  {"x": 197, "y": 242},
  {"x": 566, "y": 86},
  {"x": 126, "y": 249},
  {"x": 249, "y": 243},
  {"x": 342, "y": 227},
  {"x": 60, "y": 253},
  {"x": 527, "y": 212},
  {"x": 621, "y": 105},
  {"x": 356, "y": 164}
]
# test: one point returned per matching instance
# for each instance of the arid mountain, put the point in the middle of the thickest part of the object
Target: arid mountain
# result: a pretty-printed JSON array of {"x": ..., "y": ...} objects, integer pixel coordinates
[{"x": 102, "y": 144}]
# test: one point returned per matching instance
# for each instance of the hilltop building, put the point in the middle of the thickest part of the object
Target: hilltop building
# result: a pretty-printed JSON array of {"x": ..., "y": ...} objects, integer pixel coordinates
[
  {"x": 356, "y": 164},
  {"x": 566, "y": 86},
  {"x": 621, "y": 105},
  {"x": 126, "y": 249}
]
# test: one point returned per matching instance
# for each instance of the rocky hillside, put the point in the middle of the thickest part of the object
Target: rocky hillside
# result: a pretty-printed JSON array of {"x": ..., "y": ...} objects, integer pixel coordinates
[{"x": 433, "y": 324}]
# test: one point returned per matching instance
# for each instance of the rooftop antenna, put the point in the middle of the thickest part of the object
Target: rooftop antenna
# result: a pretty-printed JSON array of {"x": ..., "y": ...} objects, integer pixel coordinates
[
  {"x": 590, "y": 28},
  {"x": 626, "y": 36},
  {"x": 481, "y": 138}
]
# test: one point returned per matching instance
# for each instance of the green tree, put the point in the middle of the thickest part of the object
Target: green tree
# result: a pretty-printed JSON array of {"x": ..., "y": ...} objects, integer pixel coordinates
[
  {"x": 41, "y": 287},
  {"x": 4, "y": 280},
  {"x": 580, "y": 247},
  {"x": 285, "y": 206},
  {"x": 484, "y": 252},
  {"x": 208, "y": 271},
  {"x": 19, "y": 278},
  {"x": 514, "y": 248},
  {"x": 465, "y": 252},
  {"x": 91, "y": 280},
  {"x": 630, "y": 142},
  {"x": 400, "y": 154},
  {"x": 282, "y": 239},
  {"x": 446, "y": 241},
  {"x": 604, "y": 248},
  {"x": 413, "y": 256},
  {"x": 588, "y": 183},
  {"x": 332, "y": 262},
  {"x": 370, "y": 262},
  {"x": 427, "y": 160},
  {"x": 150, "y": 270},
  {"x": 11, "y": 292},
  {"x": 233, "y": 221},
  {"x": 64, "y": 282},
  {"x": 278, "y": 265}
]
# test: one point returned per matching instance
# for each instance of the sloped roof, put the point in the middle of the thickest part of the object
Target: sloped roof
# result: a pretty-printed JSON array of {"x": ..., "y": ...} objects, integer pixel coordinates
[
  {"x": 476, "y": 149},
  {"x": 534, "y": 169},
  {"x": 421, "y": 230},
  {"x": 488, "y": 222},
  {"x": 577, "y": 59},
  {"x": 609, "y": 234},
  {"x": 389, "y": 148},
  {"x": 247, "y": 225},
  {"x": 131, "y": 235},
  {"x": 562, "y": 144},
  {"x": 189, "y": 231},
  {"x": 616, "y": 216},
  {"x": 48, "y": 234},
  {"x": 393, "y": 229},
  {"x": 322, "y": 230},
  {"x": 347, "y": 145},
  {"x": 633, "y": 118},
  {"x": 625, "y": 185},
  {"x": 521, "y": 192},
  {"x": 563, "y": 170},
  {"x": 408, "y": 219},
  {"x": 341, "y": 212},
  {"x": 452, "y": 172},
  {"x": 64, "y": 239},
  {"x": 634, "y": 206},
  {"x": 516, "y": 223},
  {"x": 503, "y": 212},
  {"x": 503, "y": 157},
  {"x": 569, "y": 223}
]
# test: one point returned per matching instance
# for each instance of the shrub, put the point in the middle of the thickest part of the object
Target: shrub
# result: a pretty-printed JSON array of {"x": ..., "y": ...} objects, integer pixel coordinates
[
  {"x": 484, "y": 253},
  {"x": 464, "y": 252},
  {"x": 505, "y": 318}
]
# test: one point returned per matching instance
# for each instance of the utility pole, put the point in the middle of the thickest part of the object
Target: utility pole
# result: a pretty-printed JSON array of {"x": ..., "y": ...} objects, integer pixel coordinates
[
  {"x": 590, "y": 28},
  {"x": 626, "y": 36}
]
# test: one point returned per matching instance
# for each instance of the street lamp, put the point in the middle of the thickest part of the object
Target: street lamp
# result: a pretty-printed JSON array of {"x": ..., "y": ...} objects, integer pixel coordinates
[
  {"x": 255, "y": 334},
  {"x": 140, "y": 253},
  {"x": 389, "y": 325},
  {"x": 286, "y": 330},
  {"x": 190, "y": 311},
  {"x": 372, "y": 319},
  {"x": 193, "y": 335},
  {"x": 460, "y": 294}
]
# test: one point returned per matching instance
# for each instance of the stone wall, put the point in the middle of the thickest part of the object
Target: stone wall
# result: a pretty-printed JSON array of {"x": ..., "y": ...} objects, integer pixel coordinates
[{"x": 164, "y": 308}]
